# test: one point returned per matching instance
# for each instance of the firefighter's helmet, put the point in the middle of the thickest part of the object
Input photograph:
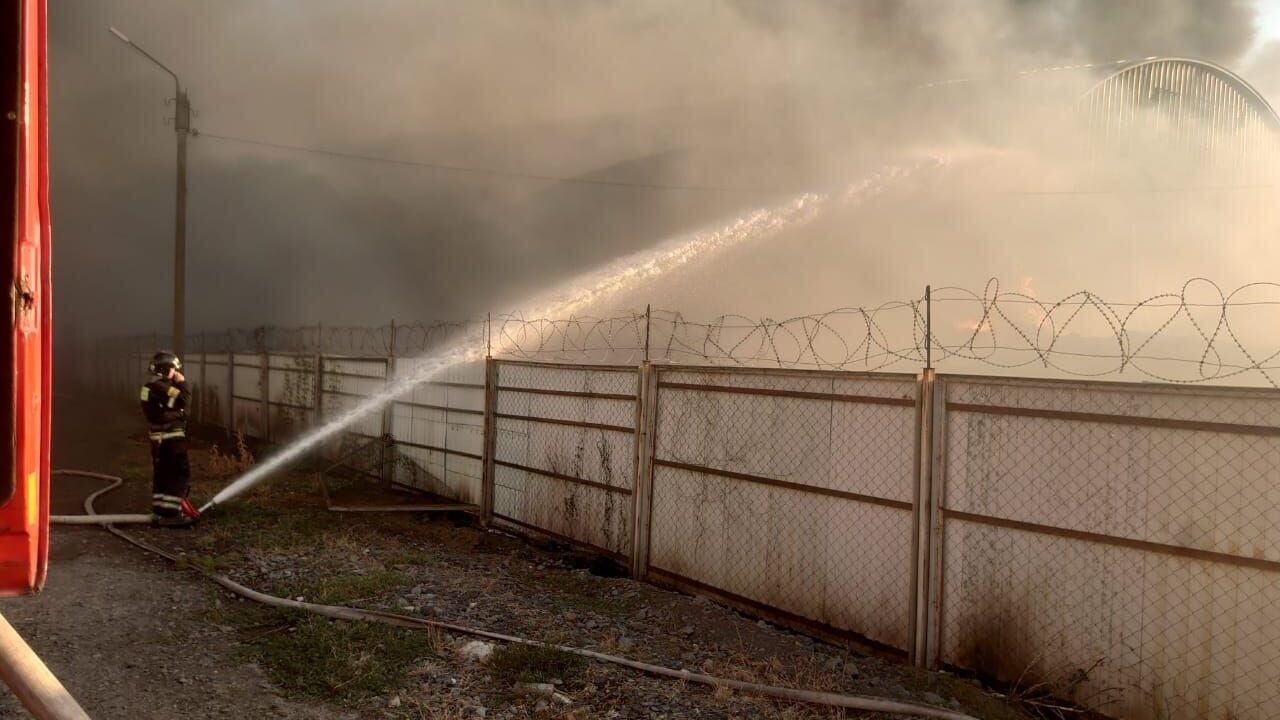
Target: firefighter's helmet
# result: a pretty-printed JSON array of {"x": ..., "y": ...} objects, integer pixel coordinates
[{"x": 164, "y": 361}]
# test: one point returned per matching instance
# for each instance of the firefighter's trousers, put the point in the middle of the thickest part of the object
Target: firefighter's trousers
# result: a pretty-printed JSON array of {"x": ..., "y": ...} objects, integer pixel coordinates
[{"x": 171, "y": 474}]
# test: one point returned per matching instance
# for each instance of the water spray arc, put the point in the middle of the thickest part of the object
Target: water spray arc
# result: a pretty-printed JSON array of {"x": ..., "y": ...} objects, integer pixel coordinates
[{"x": 612, "y": 279}]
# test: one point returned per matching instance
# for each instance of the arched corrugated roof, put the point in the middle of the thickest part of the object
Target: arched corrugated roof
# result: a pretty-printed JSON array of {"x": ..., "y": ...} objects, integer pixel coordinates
[
  {"x": 1178, "y": 72},
  {"x": 1182, "y": 110}
]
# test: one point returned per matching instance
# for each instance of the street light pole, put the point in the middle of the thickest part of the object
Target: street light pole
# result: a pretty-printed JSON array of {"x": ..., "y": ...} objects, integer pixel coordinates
[{"x": 182, "y": 127}]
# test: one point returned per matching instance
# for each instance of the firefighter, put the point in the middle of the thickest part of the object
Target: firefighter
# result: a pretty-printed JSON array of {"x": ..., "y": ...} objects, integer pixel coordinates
[{"x": 164, "y": 402}]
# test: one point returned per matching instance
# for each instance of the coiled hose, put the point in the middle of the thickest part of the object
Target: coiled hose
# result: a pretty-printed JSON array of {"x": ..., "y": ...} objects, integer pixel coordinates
[{"x": 852, "y": 702}]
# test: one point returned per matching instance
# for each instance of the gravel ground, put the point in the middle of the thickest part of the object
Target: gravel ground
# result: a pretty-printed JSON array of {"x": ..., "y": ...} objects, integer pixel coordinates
[
  {"x": 105, "y": 623},
  {"x": 120, "y": 632},
  {"x": 123, "y": 631}
]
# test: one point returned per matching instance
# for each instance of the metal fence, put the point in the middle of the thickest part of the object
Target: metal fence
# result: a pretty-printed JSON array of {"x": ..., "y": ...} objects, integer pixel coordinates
[
  {"x": 1116, "y": 543},
  {"x": 438, "y": 431},
  {"x": 1120, "y": 541},
  {"x": 564, "y": 451},
  {"x": 792, "y": 491},
  {"x": 437, "y": 428}
]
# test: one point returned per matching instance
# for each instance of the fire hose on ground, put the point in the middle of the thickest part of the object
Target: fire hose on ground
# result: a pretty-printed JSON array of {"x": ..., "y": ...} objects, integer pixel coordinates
[{"x": 339, "y": 612}]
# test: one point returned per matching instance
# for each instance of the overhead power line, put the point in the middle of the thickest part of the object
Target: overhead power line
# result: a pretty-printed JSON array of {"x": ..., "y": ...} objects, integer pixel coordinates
[
  {"x": 486, "y": 172},
  {"x": 624, "y": 184}
]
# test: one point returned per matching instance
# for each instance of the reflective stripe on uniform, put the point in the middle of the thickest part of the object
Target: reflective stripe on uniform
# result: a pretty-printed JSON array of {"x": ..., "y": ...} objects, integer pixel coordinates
[
  {"x": 166, "y": 501},
  {"x": 173, "y": 434},
  {"x": 146, "y": 393}
]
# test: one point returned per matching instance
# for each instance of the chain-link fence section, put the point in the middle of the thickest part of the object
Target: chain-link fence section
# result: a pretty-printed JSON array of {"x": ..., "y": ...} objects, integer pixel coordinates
[
  {"x": 790, "y": 491},
  {"x": 1117, "y": 543},
  {"x": 565, "y": 451}
]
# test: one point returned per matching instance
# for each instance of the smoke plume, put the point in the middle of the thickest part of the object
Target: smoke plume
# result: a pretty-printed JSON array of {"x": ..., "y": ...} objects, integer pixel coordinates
[{"x": 687, "y": 113}]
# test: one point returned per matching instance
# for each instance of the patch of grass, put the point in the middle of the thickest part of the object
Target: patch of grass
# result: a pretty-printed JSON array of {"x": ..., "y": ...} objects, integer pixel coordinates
[
  {"x": 581, "y": 592},
  {"x": 205, "y": 563},
  {"x": 347, "y": 588},
  {"x": 262, "y": 527},
  {"x": 315, "y": 657},
  {"x": 233, "y": 461},
  {"x": 532, "y": 664},
  {"x": 237, "y": 613},
  {"x": 409, "y": 557}
]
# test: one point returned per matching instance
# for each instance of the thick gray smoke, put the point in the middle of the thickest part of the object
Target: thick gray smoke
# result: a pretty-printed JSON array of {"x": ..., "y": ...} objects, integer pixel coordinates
[{"x": 739, "y": 101}]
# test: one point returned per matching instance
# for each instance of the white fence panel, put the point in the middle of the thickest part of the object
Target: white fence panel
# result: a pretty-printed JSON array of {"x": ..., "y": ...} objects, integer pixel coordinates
[
  {"x": 789, "y": 490},
  {"x": 439, "y": 431},
  {"x": 565, "y": 451},
  {"x": 216, "y": 397},
  {"x": 1118, "y": 541}
]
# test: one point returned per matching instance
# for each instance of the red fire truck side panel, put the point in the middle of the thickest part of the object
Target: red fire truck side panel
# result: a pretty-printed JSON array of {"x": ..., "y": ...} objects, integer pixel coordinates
[{"x": 24, "y": 517}]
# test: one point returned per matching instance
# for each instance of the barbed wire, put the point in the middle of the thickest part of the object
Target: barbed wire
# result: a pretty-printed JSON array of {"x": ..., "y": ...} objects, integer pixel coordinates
[
  {"x": 1198, "y": 334},
  {"x": 1206, "y": 335}
]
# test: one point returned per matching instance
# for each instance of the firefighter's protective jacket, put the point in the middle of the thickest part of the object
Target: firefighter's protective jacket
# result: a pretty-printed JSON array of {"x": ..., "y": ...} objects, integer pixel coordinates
[{"x": 164, "y": 402}]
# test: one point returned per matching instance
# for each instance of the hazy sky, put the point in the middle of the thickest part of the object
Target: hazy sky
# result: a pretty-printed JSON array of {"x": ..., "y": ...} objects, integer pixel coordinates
[
  {"x": 1268, "y": 21},
  {"x": 738, "y": 102}
]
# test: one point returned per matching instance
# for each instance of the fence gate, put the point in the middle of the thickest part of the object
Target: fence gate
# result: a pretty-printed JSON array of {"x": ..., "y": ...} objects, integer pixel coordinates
[
  {"x": 789, "y": 492},
  {"x": 564, "y": 451}
]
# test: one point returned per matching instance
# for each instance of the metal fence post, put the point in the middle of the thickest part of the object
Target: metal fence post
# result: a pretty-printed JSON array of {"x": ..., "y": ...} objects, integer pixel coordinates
[
  {"x": 921, "y": 526},
  {"x": 388, "y": 456},
  {"x": 648, "y": 322},
  {"x": 646, "y": 427},
  {"x": 937, "y": 430},
  {"x": 231, "y": 385},
  {"x": 491, "y": 371},
  {"x": 317, "y": 401},
  {"x": 928, "y": 327},
  {"x": 444, "y": 456},
  {"x": 264, "y": 384},
  {"x": 202, "y": 397}
]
